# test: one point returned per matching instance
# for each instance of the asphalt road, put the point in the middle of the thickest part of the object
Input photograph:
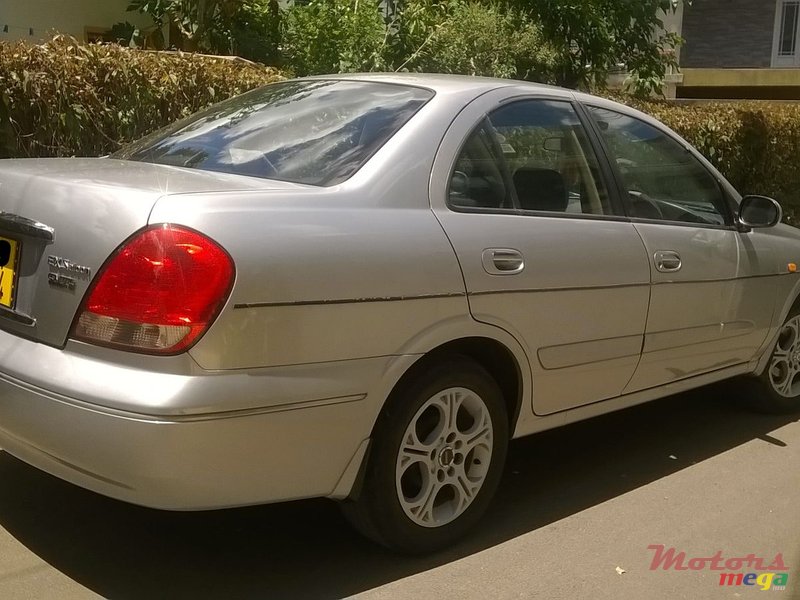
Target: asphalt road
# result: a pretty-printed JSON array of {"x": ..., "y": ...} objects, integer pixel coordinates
[{"x": 691, "y": 472}]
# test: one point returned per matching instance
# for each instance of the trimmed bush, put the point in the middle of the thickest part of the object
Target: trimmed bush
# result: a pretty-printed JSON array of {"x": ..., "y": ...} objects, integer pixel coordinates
[
  {"x": 63, "y": 98},
  {"x": 756, "y": 145}
]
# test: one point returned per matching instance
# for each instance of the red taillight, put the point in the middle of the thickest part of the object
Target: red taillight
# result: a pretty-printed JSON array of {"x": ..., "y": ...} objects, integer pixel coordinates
[{"x": 158, "y": 293}]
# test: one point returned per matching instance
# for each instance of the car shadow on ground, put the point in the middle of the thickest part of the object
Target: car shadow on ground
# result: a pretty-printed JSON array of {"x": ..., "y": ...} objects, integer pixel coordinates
[{"x": 306, "y": 549}]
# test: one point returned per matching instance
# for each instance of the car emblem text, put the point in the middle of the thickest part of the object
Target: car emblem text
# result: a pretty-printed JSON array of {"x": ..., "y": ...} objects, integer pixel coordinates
[{"x": 64, "y": 272}]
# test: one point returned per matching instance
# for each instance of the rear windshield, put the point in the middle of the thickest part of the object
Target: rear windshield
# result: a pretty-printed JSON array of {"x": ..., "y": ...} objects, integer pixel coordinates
[{"x": 316, "y": 132}]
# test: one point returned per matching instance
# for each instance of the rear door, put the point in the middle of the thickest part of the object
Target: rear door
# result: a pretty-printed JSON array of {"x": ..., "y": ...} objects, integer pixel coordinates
[
  {"x": 708, "y": 308},
  {"x": 542, "y": 245}
]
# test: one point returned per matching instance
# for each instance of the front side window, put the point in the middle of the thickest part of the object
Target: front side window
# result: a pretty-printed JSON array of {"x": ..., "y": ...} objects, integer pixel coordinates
[
  {"x": 530, "y": 155},
  {"x": 664, "y": 181},
  {"x": 315, "y": 132}
]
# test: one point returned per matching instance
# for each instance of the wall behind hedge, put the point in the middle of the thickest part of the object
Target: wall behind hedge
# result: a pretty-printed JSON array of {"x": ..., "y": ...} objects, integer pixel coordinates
[{"x": 64, "y": 99}]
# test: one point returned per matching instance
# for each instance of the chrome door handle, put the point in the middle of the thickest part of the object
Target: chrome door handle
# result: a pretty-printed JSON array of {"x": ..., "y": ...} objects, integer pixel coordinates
[
  {"x": 502, "y": 261},
  {"x": 667, "y": 261}
]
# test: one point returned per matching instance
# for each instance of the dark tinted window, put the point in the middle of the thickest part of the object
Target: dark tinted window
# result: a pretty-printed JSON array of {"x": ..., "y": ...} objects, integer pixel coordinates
[
  {"x": 314, "y": 132},
  {"x": 532, "y": 155},
  {"x": 663, "y": 179},
  {"x": 478, "y": 180}
]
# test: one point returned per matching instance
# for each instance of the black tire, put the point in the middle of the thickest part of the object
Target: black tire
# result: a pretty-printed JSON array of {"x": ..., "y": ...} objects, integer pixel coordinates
[
  {"x": 762, "y": 391},
  {"x": 378, "y": 512}
]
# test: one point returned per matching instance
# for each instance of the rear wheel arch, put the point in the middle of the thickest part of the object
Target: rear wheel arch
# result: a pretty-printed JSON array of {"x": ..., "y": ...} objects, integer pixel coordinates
[
  {"x": 423, "y": 413},
  {"x": 494, "y": 356}
]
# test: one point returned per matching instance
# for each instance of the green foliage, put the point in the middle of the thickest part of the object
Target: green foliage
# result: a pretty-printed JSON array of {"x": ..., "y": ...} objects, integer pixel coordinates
[
  {"x": 255, "y": 31},
  {"x": 335, "y": 36},
  {"x": 126, "y": 34},
  {"x": 754, "y": 144},
  {"x": 569, "y": 42},
  {"x": 593, "y": 37},
  {"x": 445, "y": 36},
  {"x": 247, "y": 28},
  {"x": 63, "y": 98},
  {"x": 471, "y": 38}
]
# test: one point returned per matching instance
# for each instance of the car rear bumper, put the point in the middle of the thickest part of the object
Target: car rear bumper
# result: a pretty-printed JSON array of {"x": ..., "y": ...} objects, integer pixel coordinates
[{"x": 283, "y": 450}]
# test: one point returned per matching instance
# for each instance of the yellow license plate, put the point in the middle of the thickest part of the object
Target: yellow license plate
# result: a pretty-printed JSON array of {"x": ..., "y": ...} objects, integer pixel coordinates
[{"x": 9, "y": 253}]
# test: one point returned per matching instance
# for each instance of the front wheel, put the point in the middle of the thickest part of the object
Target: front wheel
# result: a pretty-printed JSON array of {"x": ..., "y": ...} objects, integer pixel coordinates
[
  {"x": 778, "y": 389},
  {"x": 436, "y": 460}
]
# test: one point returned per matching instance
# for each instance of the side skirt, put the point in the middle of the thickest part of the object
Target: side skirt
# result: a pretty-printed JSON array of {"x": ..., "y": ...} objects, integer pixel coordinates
[{"x": 535, "y": 425}]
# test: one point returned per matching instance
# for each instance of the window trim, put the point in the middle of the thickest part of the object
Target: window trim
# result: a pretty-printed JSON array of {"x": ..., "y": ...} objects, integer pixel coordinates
[
  {"x": 606, "y": 175},
  {"x": 522, "y": 212},
  {"x": 784, "y": 61},
  {"x": 728, "y": 215},
  {"x": 608, "y": 172}
]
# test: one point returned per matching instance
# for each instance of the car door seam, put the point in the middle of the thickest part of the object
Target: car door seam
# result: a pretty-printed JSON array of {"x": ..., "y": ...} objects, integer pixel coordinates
[{"x": 646, "y": 313}]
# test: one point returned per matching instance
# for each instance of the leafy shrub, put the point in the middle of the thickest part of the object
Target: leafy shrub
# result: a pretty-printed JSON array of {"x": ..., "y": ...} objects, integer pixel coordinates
[
  {"x": 754, "y": 144},
  {"x": 594, "y": 37},
  {"x": 63, "y": 98},
  {"x": 247, "y": 28},
  {"x": 255, "y": 32},
  {"x": 334, "y": 36},
  {"x": 471, "y": 38},
  {"x": 450, "y": 36}
]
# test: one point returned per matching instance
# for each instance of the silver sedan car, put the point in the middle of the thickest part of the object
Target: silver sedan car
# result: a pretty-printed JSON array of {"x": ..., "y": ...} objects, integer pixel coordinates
[{"x": 362, "y": 287}]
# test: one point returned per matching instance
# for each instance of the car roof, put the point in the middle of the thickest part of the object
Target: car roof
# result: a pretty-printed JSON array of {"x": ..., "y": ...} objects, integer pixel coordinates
[
  {"x": 440, "y": 82},
  {"x": 474, "y": 86}
]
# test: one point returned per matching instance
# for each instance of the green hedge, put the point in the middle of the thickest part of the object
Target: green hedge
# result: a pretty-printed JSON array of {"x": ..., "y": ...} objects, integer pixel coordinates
[
  {"x": 756, "y": 145},
  {"x": 63, "y": 98}
]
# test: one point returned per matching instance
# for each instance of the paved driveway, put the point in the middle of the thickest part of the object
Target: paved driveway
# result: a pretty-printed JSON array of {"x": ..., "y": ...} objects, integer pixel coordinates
[{"x": 690, "y": 472}]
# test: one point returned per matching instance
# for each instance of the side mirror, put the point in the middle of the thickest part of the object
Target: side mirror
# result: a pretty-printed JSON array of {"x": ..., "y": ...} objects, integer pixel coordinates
[{"x": 759, "y": 211}]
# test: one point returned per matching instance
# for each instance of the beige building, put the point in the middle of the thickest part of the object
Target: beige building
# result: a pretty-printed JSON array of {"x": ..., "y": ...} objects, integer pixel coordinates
[{"x": 86, "y": 20}]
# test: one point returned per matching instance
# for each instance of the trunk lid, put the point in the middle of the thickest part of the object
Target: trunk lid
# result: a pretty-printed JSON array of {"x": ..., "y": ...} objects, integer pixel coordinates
[{"x": 62, "y": 218}]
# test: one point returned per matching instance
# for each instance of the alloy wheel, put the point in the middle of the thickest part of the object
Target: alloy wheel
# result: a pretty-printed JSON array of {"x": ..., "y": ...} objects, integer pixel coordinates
[
  {"x": 784, "y": 367},
  {"x": 444, "y": 457}
]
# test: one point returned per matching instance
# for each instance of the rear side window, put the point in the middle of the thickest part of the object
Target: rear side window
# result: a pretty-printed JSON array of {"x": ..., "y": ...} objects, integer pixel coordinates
[
  {"x": 313, "y": 132},
  {"x": 531, "y": 155}
]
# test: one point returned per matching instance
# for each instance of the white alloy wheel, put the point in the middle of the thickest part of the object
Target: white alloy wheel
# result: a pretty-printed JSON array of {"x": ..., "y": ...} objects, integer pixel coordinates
[
  {"x": 784, "y": 365},
  {"x": 435, "y": 459},
  {"x": 444, "y": 457}
]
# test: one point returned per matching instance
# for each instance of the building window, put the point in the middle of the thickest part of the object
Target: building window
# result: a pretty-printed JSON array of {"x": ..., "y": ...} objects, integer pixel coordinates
[
  {"x": 787, "y": 21},
  {"x": 788, "y": 31}
]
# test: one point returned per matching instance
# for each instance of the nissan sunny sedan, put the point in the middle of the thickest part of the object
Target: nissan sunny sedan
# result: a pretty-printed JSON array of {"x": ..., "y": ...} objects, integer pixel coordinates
[{"x": 362, "y": 287}]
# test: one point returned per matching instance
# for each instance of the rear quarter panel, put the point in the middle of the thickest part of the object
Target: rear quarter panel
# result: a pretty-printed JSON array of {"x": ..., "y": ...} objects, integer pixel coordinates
[
  {"x": 319, "y": 278},
  {"x": 358, "y": 270}
]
